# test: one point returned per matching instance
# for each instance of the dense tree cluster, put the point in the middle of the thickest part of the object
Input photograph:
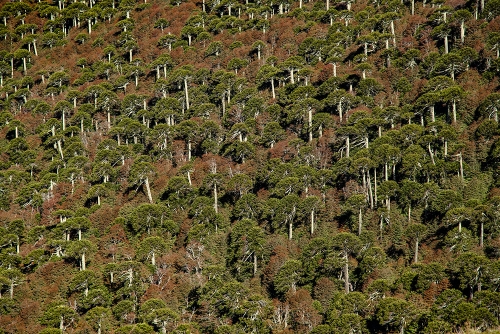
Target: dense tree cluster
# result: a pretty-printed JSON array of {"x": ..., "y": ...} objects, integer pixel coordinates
[{"x": 249, "y": 167}]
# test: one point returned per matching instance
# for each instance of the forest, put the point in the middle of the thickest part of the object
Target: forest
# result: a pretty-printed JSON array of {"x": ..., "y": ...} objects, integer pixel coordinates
[{"x": 257, "y": 166}]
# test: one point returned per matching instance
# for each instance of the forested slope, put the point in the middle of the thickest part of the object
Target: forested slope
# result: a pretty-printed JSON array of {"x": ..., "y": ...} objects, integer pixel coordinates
[{"x": 249, "y": 167}]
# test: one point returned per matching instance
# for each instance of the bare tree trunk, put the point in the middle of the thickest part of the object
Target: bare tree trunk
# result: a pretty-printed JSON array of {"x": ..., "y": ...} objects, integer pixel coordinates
[
  {"x": 346, "y": 274},
  {"x": 312, "y": 221},
  {"x": 254, "y": 264},
  {"x": 360, "y": 221},
  {"x": 186, "y": 93},
  {"x": 216, "y": 207},
  {"x": 148, "y": 190},
  {"x": 83, "y": 267},
  {"x": 272, "y": 88},
  {"x": 415, "y": 259}
]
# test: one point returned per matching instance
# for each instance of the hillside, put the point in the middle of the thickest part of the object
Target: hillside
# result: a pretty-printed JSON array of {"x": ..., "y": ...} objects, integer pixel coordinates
[{"x": 249, "y": 167}]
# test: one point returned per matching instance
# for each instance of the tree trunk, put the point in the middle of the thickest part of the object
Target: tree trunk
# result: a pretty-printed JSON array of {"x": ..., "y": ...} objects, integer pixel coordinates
[
  {"x": 370, "y": 191},
  {"x": 290, "y": 230},
  {"x": 454, "y": 109},
  {"x": 346, "y": 274},
  {"x": 83, "y": 267},
  {"x": 186, "y": 93},
  {"x": 415, "y": 259},
  {"x": 254, "y": 264},
  {"x": 360, "y": 221},
  {"x": 153, "y": 259},
  {"x": 216, "y": 207},
  {"x": 60, "y": 149},
  {"x": 148, "y": 190},
  {"x": 461, "y": 166},
  {"x": 272, "y": 88},
  {"x": 312, "y": 221},
  {"x": 446, "y": 44},
  {"x": 347, "y": 147}
]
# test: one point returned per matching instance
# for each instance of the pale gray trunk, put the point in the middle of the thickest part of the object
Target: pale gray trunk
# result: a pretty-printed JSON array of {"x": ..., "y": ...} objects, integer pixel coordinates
[
  {"x": 454, "y": 109},
  {"x": 254, "y": 264},
  {"x": 360, "y": 221},
  {"x": 60, "y": 149},
  {"x": 370, "y": 191},
  {"x": 148, "y": 190},
  {"x": 186, "y": 93},
  {"x": 416, "y": 251},
  {"x": 346, "y": 274},
  {"x": 462, "y": 31},
  {"x": 312, "y": 221},
  {"x": 216, "y": 206},
  {"x": 272, "y": 88},
  {"x": 461, "y": 166},
  {"x": 290, "y": 230},
  {"x": 83, "y": 267},
  {"x": 347, "y": 147},
  {"x": 431, "y": 153}
]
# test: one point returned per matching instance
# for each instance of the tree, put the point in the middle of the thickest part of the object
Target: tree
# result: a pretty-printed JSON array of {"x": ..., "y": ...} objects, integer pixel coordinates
[
  {"x": 468, "y": 269},
  {"x": 183, "y": 75},
  {"x": 490, "y": 106},
  {"x": 394, "y": 312},
  {"x": 346, "y": 244},
  {"x": 288, "y": 277},
  {"x": 356, "y": 203},
  {"x": 154, "y": 311},
  {"x": 22, "y": 54},
  {"x": 58, "y": 315},
  {"x": 246, "y": 245},
  {"x": 152, "y": 219},
  {"x": 415, "y": 233},
  {"x": 268, "y": 73},
  {"x": 81, "y": 249},
  {"x": 443, "y": 31},
  {"x": 98, "y": 317},
  {"x": 188, "y": 130},
  {"x": 12, "y": 278},
  {"x": 292, "y": 65},
  {"x": 167, "y": 41},
  {"x": 140, "y": 174},
  {"x": 258, "y": 46},
  {"x": 152, "y": 247},
  {"x": 161, "y": 23}
]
